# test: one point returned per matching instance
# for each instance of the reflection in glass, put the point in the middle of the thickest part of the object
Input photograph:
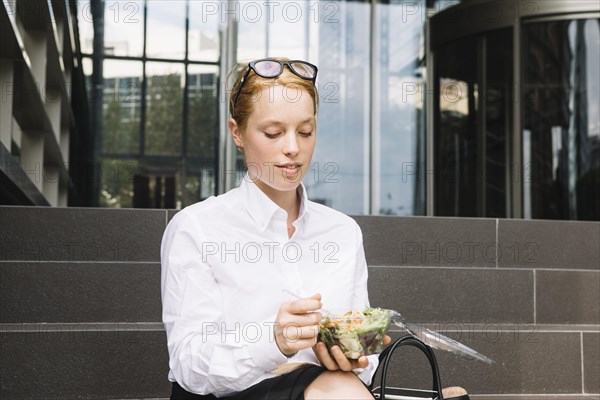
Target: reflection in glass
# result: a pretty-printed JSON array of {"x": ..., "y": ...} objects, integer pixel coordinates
[
  {"x": 208, "y": 184},
  {"x": 284, "y": 28},
  {"x": 203, "y": 123},
  {"x": 154, "y": 187},
  {"x": 287, "y": 27},
  {"x": 525, "y": 173},
  {"x": 339, "y": 176},
  {"x": 474, "y": 99},
  {"x": 87, "y": 68},
  {"x": 252, "y": 39},
  {"x": 122, "y": 107},
  {"x": 455, "y": 137},
  {"x": 124, "y": 28},
  {"x": 164, "y": 110},
  {"x": 562, "y": 112},
  {"x": 401, "y": 151},
  {"x": 203, "y": 36},
  {"x": 165, "y": 31},
  {"x": 85, "y": 26},
  {"x": 195, "y": 181},
  {"x": 498, "y": 122},
  {"x": 190, "y": 190},
  {"x": 116, "y": 182}
]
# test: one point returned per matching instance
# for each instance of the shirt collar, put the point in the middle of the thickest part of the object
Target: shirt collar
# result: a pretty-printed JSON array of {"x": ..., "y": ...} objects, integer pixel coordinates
[{"x": 262, "y": 209}]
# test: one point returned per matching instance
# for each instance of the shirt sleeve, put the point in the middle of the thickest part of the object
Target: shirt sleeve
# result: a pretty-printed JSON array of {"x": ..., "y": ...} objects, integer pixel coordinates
[
  {"x": 205, "y": 356},
  {"x": 360, "y": 301}
]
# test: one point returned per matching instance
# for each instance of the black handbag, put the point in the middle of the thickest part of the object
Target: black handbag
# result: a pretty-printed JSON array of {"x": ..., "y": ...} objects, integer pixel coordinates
[{"x": 392, "y": 393}]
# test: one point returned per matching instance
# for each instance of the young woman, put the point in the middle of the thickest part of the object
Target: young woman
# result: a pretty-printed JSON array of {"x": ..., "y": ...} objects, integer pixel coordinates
[{"x": 230, "y": 262}]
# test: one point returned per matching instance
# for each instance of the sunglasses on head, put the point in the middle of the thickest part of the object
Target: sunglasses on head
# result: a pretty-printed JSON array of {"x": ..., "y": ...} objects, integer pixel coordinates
[{"x": 271, "y": 68}]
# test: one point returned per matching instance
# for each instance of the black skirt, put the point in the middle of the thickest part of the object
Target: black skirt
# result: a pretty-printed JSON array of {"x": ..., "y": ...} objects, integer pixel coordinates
[{"x": 288, "y": 386}]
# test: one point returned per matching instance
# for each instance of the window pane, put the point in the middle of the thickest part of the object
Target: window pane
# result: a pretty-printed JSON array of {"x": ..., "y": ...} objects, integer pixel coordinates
[
  {"x": 498, "y": 121},
  {"x": 164, "y": 108},
  {"x": 334, "y": 36},
  {"x": 400, "y": 154},
  {"x": 203, "y": 116},
  {"x": 341, "y": 161},
  {"x": 288, "y": 30},
  {"x": 455, "y": 138},
  {"x": 284, "y": 28},
  {"x": 190, "y": 191},
  {"x": 198, "y": 183},
  {"x": 252, "y": 33},
  {"x": 203, "y": 37},
  {"x": 561, "y": 138},
  {"x": 88, "y": 68},
  {"x": 85, "y": 26},
  {"x": 122, "y": 106},
  {"x": 116, "y": 182},
  {"x": 165, "y": 33},
  {"x": 124, "y": 28}
]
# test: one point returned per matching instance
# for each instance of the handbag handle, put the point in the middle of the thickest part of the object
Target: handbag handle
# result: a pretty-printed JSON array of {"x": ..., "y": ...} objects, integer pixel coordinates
[{"x": 408, "y": 340}]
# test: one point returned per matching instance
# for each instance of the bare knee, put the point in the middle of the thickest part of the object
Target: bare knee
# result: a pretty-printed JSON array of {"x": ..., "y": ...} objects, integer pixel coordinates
[{"x": 337, "y": 385}]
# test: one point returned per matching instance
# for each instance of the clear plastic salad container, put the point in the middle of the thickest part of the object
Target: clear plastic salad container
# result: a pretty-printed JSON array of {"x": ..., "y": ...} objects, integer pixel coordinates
[{"x": 356, "y": 333}]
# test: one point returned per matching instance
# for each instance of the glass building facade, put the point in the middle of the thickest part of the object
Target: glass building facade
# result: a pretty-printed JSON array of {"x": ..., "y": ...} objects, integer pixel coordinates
[
  {"x": 446, "y": 108},
  {"x": 516, "y": 130},
  {"x": 561, "y": 120},
  {"x": 157, "y": 132},
  {"x": 164, "y": 98}
]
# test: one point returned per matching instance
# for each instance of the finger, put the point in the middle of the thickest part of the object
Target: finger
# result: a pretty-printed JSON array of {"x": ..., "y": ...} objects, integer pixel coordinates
[
  {"x": 303, "y": 306},
  {"x": 311, "y": 318},
  {"x": 300, "y": 344},
  {"x": 324, "y": 357},
  {"x": 387, "y": 340},
  {"x": 293, "y": 332},
  {"x": 340, "y": 358},
  {"x": 362, "y": 362}
]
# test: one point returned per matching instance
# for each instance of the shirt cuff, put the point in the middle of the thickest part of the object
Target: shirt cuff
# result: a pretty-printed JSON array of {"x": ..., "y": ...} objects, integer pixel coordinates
[{"x": 264, "y": 350}]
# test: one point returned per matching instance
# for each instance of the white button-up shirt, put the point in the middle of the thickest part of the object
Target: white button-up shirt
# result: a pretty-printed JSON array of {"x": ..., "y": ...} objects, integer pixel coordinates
[{"x": 225, "y": 263}]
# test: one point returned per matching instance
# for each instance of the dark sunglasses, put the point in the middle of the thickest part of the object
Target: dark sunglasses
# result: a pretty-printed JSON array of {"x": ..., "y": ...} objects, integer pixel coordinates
[{"x": 270, "y": 68}]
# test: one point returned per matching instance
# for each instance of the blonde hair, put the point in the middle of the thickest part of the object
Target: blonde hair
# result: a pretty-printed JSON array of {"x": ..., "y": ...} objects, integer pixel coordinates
[{"x": 255, "y": 83}]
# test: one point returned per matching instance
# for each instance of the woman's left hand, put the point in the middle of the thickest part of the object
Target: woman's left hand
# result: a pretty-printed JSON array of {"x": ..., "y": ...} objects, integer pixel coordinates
[{"x": 339, "y": 360}]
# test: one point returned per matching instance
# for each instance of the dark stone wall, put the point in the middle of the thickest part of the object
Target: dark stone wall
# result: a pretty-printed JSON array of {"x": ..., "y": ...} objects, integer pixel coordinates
[{"x": 80, "y": 311}]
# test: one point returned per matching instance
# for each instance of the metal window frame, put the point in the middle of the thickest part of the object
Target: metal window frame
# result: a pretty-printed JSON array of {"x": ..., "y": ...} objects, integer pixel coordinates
[
  {"x": 186, "y": 62},
  {"x": 374, "y": 184}
]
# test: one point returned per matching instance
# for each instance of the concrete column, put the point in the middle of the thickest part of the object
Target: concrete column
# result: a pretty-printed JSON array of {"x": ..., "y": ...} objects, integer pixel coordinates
[
  {"x": 63, "y": 195},
  {"x": 6, "y": 101},
  {"x": 17, "y": 133},
  {"x": 52, "y": 104},
  {"x": 36, "y": 46},
  {"x": 51, "y": 180},
  {"x": 32, "y": 157}
]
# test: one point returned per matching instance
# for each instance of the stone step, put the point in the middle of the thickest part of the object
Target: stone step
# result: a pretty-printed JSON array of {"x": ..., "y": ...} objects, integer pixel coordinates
[
  {"x": 130, "y": 360},
  {"x": 80, "y": 292},
  {"x": 130, "y": 291},
  {"x": 97, "y": 234},
  {"x": 92, "y": 361},
  {"x": 80, "y": 306}
]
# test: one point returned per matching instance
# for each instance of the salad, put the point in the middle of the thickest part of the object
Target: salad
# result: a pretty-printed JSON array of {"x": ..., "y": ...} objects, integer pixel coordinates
[{"x": 356, "y": 333}]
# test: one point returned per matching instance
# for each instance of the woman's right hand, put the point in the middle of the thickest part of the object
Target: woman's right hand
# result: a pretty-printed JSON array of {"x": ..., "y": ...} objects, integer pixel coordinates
[{"x": 297, "y": 325}]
